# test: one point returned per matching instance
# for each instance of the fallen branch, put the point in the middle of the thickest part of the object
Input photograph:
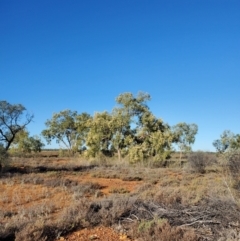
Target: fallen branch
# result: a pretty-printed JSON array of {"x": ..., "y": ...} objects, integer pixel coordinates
[{"x": 200, "y": 221}]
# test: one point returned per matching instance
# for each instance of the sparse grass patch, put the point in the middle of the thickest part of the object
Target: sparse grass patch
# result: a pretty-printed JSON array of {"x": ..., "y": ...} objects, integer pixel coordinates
[
  {"x": 120, "y": 190},
  {"x": 167, "y": 203}
]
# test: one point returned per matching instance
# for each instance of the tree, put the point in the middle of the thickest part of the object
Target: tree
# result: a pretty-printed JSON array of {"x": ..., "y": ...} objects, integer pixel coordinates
[
  {"x": 100, "y": 135},
  {"x": 82, "y": 123},
  {"x": 228, "y": 148},
  {"x": 10, "y": 122},
  {"x": 68, "y": 128},
  {"x": 112, "y": 132},
  {"x": 154, "y": 136},
  {"x": 236, "y": 142},
  {"x": 21, "y": 143},
  {"x": 134, "y": 107},
  {"x": 148, "y": 137},
  {"x": 185, "y": 136},
  {"x": 26, "y": 144},
  {"x": 228, "y": 141},
  {"x": 122, "y": 133},
  {"x": 126, "y": 119},
  {"x": 35, "y": 143}
]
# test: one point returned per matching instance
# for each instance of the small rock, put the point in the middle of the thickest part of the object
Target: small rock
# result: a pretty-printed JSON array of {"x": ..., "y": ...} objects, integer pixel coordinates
[{"x": 93, "y": 237}]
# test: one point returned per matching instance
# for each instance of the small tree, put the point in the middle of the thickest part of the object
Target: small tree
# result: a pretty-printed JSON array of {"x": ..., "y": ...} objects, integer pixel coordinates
[
  {"x": 26, "y": 144},
  {"x": 228, "y": 148},
  {"x": 226, "y": 142},
  {"x": 100, "y": 135},
  {"x": 11, "y": 123},
  {"x": 66, "y": 128},
  {"x": 185, "y": 136},
  {"x": 35, "y": 143},
  {"x": 122, "y": 133}
]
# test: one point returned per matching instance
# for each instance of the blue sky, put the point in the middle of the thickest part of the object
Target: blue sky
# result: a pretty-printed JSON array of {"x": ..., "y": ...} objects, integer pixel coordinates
[{"x": 80, "y": 55}]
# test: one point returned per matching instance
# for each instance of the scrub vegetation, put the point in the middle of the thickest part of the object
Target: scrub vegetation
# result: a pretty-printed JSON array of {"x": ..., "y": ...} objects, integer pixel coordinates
[{"x": 124, "y": 175}]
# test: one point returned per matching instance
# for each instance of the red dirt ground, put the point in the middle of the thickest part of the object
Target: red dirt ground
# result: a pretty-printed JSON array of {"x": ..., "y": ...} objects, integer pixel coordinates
[
  {"x": 102, "y": 233},
  {"x": 99, "y": 233},
  {"x": 17, "y": 194}
]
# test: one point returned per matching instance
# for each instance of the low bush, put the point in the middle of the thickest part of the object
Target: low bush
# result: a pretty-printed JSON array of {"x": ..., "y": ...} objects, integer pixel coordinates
[
  {"x": 198, "y": 161},
  {"x": 4, "y": 157},
  {"x": 162, "y": 230},
  {"x": 234, "y": 170}
]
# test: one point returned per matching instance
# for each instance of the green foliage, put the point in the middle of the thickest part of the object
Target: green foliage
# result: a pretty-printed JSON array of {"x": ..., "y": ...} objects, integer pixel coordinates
[
  {"x": 133, "y": 106},
  {"x": 185, "y": 136},
  {"x": 228, "y": 142},
  {"x": 150, "y": 137},
  {"x": 122, "y": 133},
  {"x": 160, "y": 145},
  {"x": 67, "y": 128},
  {"x": 35, "y": 143},
  {"x": 10, "y": 122},
  {"x": 99, "y": 135},
  {"x": 136, "y": 154},
  {"x": 235, "y": 144},
  {"x": 26, "y": 144},
  {"x": 131, "y": 131}
]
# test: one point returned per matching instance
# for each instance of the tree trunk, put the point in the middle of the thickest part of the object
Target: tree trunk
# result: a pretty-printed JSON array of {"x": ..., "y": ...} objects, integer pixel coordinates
[
  {"x": 119, "y": 155},
  {"x": 180, "y": 156},
  {"x": 9, "y": 143}
]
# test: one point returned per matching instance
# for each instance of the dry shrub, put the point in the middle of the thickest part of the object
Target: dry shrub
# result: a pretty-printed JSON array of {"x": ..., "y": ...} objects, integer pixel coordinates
[
  {"x": 88, "y": 188},
  {"x": 29, "y": 233},
  {"x": 198, "y": 162},
  {"x": 120, "y": 190},
  {"x": 169, "y": 198},
  {"x": 234, "y": 168},
  {"x": 39, "y": 231},
  {"x": 144, "y": 187},
  {"x": 110, "y": 211},
  {"x": 4, "y": 157},
  {"x": 132, "y": 178},
  {"x": 230, "y": 235},
  {"x": 60, "y": 182},
  {"x": 156, "y": 230},
  {"x": 32, "y": 178}
]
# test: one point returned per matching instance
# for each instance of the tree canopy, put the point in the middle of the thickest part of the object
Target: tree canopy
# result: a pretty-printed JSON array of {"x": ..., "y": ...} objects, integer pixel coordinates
[
  {"x": 185, "y": 136},
  {"x": 228, "y": 141},
  {"x": 13, "y": 119},
  {"x": 67, "y": 128},
  {"x": 130, "y": 130}
]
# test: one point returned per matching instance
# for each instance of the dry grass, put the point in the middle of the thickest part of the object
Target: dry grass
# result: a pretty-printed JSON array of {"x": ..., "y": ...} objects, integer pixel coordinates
[{"x": 43, "y": 198}]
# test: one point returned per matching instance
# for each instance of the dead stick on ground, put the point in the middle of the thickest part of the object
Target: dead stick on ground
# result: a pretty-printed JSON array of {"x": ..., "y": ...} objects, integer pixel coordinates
[{"x": 207, "y": 221}]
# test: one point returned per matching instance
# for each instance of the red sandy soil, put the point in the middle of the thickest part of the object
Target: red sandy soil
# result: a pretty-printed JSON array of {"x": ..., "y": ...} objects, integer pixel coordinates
[
  {"x": 99, "y": 234},
  {"x": 26, "y": 195},
  {"x": 102, "y": 233}
]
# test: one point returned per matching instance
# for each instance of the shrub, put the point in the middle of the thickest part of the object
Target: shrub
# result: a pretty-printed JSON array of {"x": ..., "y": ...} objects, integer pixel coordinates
[
  {"x": 162, "y": 230},
  {"x": 3, "y": 157},
  {"x": 234, "y": 169},
  {"x": 198, "y": 161}
]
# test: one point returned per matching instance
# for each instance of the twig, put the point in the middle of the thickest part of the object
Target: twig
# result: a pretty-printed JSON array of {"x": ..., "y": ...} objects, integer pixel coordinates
[
  {"x": 207, "y": 221},
  {"x": 135, "y": 216}
]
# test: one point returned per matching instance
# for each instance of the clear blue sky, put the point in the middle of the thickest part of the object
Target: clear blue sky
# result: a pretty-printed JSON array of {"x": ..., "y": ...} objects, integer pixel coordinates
[{"x": 80, "y": 55}]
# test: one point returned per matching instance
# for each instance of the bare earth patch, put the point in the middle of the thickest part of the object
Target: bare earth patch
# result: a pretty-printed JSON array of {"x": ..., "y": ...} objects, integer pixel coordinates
[{"x": 99, "y": 233}]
